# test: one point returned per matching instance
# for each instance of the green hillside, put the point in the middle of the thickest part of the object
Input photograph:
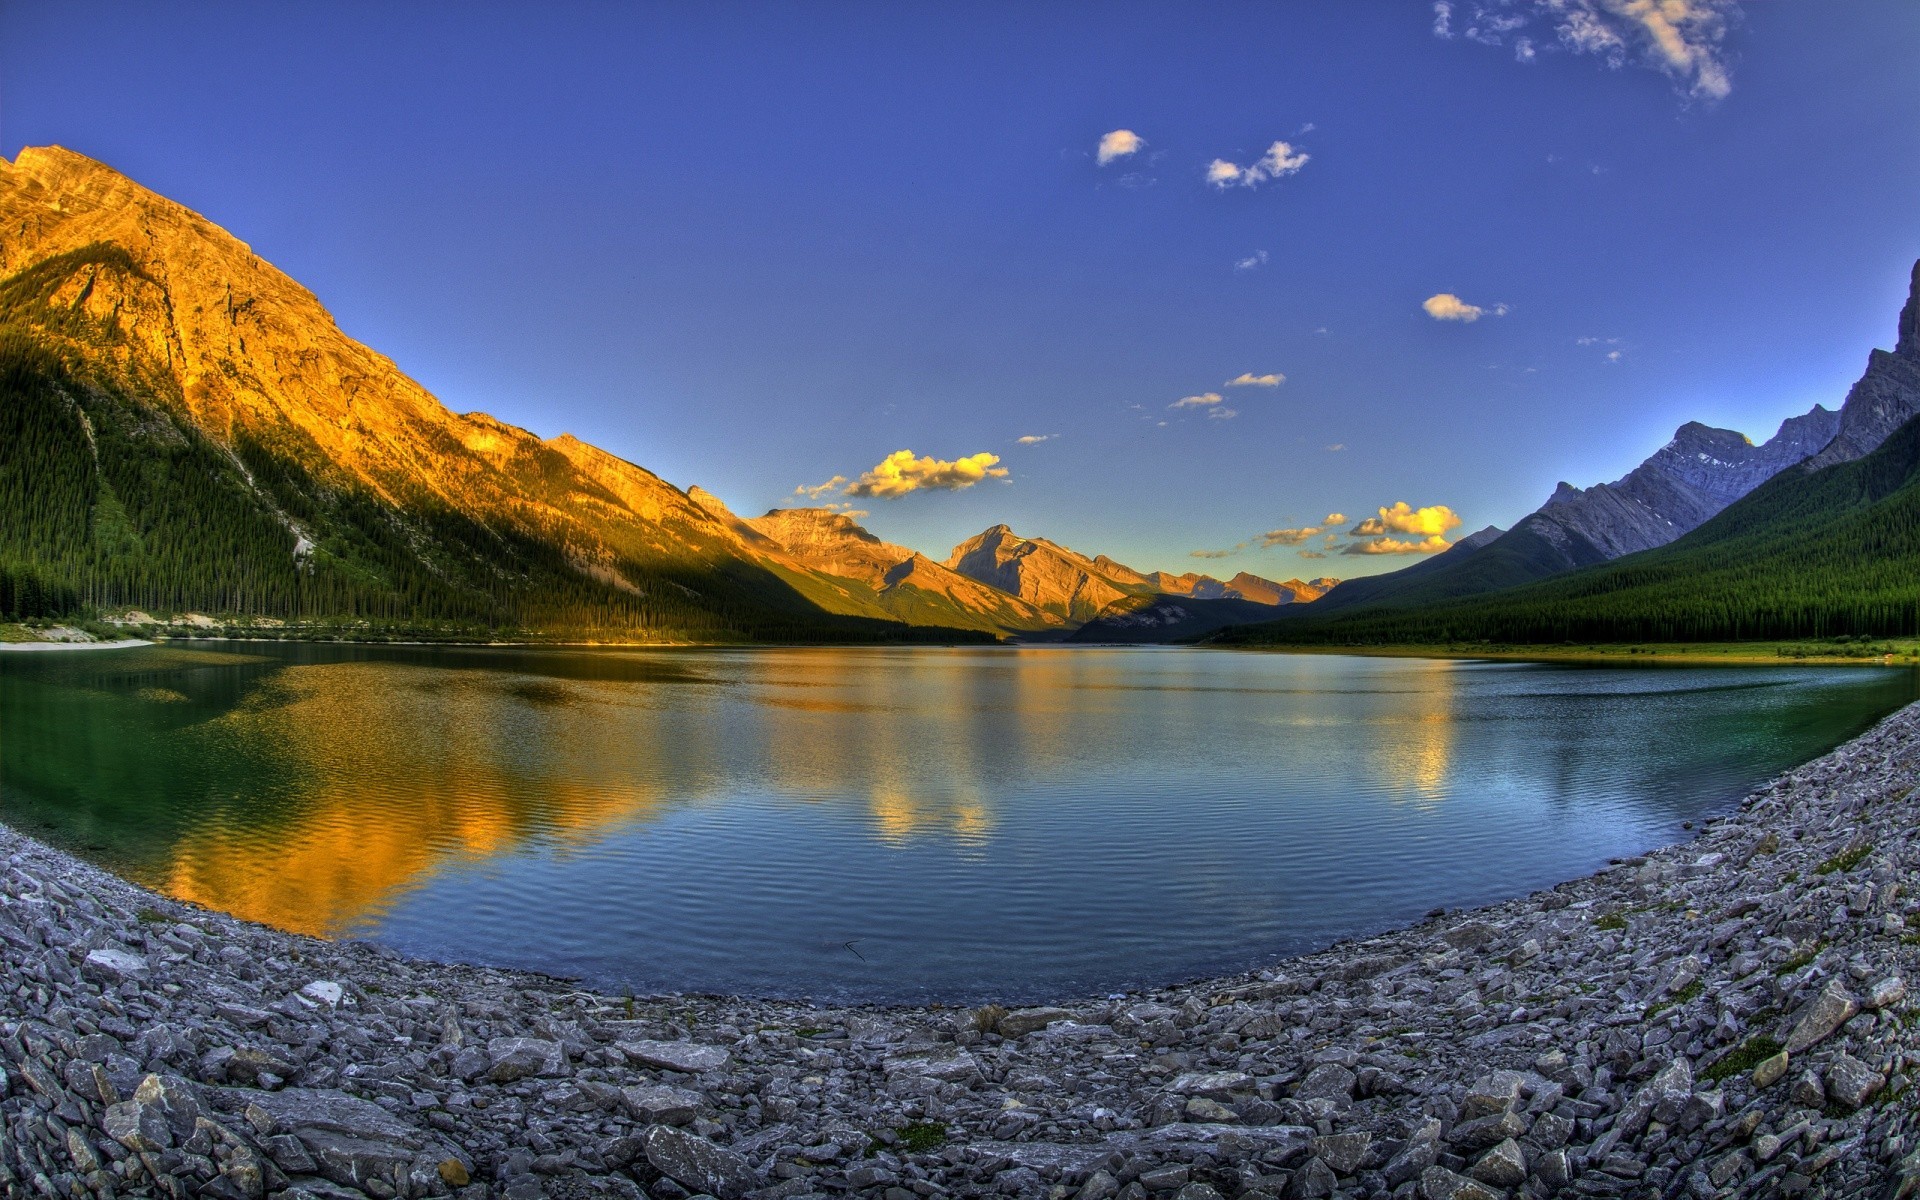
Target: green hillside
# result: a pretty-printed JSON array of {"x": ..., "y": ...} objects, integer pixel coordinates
[{"x": 1820, "y": 554}]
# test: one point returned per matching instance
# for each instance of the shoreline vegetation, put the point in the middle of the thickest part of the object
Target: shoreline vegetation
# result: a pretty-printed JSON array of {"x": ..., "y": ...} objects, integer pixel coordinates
[
  {"x": 1728, "y": 1016},
  {"x": 1837, "y": 651}
]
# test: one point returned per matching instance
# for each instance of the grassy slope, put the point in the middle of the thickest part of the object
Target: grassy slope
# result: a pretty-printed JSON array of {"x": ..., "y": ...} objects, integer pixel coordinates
[{"x": 1806, "y": 555}]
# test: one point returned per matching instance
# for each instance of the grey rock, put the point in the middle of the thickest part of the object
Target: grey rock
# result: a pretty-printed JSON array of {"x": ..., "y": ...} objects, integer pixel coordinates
[
  {"x": 698, "y": 1164},
  {"x": 688, "y": 1057},
  {"x": 1851, "y": 1082},
  {"x": 1438, "y": 1183},
  {"x": 1022, "y": 1021},
  {"x": 1503, "y": 1166},
  {"x": 1833, "y": 1007},
  {"x": 662, "y": 1105},
  {"x": 511, "y": 1058}
]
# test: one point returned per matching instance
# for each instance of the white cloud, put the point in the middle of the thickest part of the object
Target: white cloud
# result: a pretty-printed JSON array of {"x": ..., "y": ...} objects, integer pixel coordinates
[
  {"x": 1280, "y": 160},
  {"x": 1034, "y": 439},
  {"x": 1119, "y": 144},
  {"x": 1445, "y": 306},
  {"x": 1203, "y": 400},
  {"x": 1682, "y": 38},
  {"x": 1252, "y": 261},
  {"x": 821, "y": 489},
  {"x": 1222, "y": 414},
  {"x": 1249, "y": 379},
  {"x": 901, "y": 472},
  {"x": 1337, "y": 446},
  {"x": 1227, "y": 553}
]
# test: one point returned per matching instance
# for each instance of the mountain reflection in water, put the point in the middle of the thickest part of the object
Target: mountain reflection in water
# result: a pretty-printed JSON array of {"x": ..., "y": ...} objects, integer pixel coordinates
[{"x": 994, "y": 822}]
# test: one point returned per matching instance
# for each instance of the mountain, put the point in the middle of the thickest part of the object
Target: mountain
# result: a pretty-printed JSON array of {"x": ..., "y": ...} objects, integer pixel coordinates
[
  {"x": 1818, "y": 553},
  {"x": 1243, "y": 586},
  {"x": 1047, "y": 576},
  {"x": 1827, "y": 545},
  {"x": 908, "y": 585},
  {"x": 1696, "y": 475},
  {"x": 182, "y": 426},
  {"x": 1685, "y": 482}
]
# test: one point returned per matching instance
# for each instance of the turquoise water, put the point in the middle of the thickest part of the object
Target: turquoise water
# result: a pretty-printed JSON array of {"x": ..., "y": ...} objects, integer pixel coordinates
[{"x": 879, "y": 824}]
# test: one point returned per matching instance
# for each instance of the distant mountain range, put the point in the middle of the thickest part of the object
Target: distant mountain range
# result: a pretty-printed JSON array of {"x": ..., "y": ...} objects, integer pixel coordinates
[
  {"x": 1816, "y": 533},
  {"x": 184, "y": 428}
]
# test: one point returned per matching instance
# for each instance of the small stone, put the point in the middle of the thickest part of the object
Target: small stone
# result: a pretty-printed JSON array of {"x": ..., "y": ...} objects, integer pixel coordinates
[
  {"x": 323, "y": 993},
  {"x": 453, "y": 1173},
  {"x": 1202, "y": 1109},
  {"x": 1885, "y": 993},
  {"x": 1808, "y": 1090},
  {"x": 1344, "y": 1152},
  {"x": 1165, "y": 1179},
  {"x": 662, "y": 1105},
  {"x": 697, "y": 1163},
  {"x": 113, "y": 965},
  {"x": 1022, "y": 1021},
  {"x": 1438, "y": 1183},
  {"x": 1328, "y": 1081},
  {"x": 1769, "y": 1071},
  {"x": 690, "y": 1058},
  {"x": 1826, "y": 1012},
  {"x": 1216, "y": 1084},
  {"x": 1503, "y": 1166},
  {"x": 511, "y": 1058},
  {"x": 1851, "y": 1082}
]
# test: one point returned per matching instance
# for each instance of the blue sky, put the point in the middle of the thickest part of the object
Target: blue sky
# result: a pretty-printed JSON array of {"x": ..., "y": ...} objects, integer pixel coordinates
[{"x": 757, "y": 246}]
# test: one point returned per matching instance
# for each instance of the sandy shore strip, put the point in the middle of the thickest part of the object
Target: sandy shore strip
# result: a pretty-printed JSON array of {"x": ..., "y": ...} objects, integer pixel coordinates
[{"x": 1728, "y": 1017}]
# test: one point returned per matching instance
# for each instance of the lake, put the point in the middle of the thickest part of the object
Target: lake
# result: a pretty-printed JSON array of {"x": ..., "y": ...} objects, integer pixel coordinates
[{"x": 879, "y": 824}]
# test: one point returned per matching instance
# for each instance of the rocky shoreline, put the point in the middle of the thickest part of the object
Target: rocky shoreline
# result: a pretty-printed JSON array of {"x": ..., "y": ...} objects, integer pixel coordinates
[{"x": 1727, "y": 1017}]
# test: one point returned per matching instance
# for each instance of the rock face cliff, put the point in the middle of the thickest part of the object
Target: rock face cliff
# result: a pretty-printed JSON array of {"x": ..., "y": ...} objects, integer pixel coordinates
[{"x": 1887, "y": 395}]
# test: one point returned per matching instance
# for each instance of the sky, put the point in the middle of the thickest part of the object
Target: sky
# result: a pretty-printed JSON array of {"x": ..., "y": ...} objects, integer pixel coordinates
[{"x": 1177, "y": 283}]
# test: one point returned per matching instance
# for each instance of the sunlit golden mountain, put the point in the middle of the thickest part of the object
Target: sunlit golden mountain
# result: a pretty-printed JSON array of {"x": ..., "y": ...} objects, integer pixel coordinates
[{"x": 186, "y": 428}]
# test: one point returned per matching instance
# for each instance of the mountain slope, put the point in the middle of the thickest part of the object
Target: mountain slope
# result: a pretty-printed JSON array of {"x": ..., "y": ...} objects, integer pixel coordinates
[
  {"x": 1047, "y": 576},
  {"x": 1684, "y": 483},
  {"x": 194, "y": 431},
  {"x": 1810, "y": 553},
  {"x": 906, "y": 584},
  {"x": 1696, "y": 475}
]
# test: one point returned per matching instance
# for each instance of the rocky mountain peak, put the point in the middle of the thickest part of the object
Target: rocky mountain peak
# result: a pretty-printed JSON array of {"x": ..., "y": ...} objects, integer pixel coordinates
[{"x": 1908, "y": 343}]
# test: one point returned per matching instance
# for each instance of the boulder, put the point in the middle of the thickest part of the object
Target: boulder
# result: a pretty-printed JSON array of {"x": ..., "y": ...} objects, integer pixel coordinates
[
  {"x": 662, "y": 1105},
  {"x": 511, "y": 1058},
  {"x": 1826, "y": 1012},
  {"x": 698, "y": 1164},
  {"x": 1022, "y": 1021},
  {"x": 692, "y": 1058}
]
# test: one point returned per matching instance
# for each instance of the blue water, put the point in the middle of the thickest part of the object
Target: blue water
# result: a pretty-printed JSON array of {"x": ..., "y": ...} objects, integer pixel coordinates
[{"x": 880, "y": 824}]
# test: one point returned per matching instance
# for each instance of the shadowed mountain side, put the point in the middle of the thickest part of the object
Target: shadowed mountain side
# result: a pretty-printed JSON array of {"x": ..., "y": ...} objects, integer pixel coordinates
[
  {"x": 1150, "y": 619},
  {"x": 1810, "y": 553}
]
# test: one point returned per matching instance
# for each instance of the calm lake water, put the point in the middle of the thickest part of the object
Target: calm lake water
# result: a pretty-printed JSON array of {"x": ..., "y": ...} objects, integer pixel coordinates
[{"x": 879, "y": 824}]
